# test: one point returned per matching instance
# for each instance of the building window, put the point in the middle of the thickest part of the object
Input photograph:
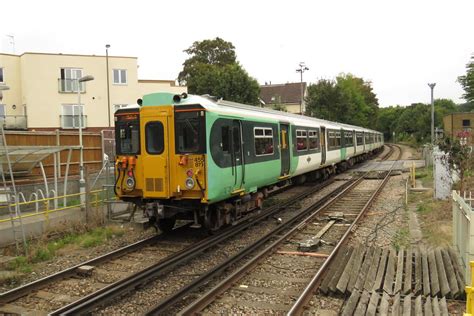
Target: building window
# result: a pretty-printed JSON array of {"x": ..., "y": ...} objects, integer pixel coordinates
[
  {"x": 466, "y": 123},
  {"x": 263, "y": 141},
  {"x": 69, "y": 80},
  {"x": 2, "y": 110},
  {"x": 120, "y": 76},
  {"x": 71, "y": 116},
  {"x": 1, "y": 75}
]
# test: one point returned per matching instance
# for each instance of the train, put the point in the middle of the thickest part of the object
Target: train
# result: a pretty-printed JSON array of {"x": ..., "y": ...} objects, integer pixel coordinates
[{"x": 213, "y": 162}]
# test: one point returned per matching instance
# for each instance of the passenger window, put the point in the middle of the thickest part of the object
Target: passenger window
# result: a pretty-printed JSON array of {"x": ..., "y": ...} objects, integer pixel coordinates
[
  {"x": 225, "y": 139},
  {"x": 263, "y": 141},
  {"x": 301, "y": 140},
  {"x": 313, "y": 139},
  {"x": 154, "y": 138}
]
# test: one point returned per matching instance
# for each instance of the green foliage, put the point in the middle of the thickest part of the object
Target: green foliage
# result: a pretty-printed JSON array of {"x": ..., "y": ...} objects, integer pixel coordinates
[
  {"x": 413, "y": 123},
  {"x": 20, "y": 264},
  {"x": 459, "y": 156},
  {"x": 401, "y": 239},
  {"x": 212, "y": 68},
  {"x": 348, "y": 99},
  {"x": 467, "y": 81}
]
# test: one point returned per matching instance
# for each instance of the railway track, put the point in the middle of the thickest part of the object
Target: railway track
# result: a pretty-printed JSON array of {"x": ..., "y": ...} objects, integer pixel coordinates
[
  {"x": 256, "y": 287},
  {"x": 392, "y": 149},
  {"x": 131, "y": 282},
  {"x": 107, "y": 268}
]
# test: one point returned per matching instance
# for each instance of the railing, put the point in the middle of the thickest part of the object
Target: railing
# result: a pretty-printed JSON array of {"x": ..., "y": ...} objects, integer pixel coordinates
[
  {"x": 72, "y": 121},
  {"x": 70, "y": 86},
  {"x": 46, "y": 206},
  {"x": 463, "y": 229},
  {"x": 14, "y": 121}
]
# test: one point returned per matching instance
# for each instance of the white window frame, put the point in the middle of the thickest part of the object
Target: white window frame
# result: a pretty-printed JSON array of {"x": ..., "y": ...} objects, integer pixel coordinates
[
  {"x": 270, "y": 136},
  {"x": 118, "y": 80},
  {"x": 74, "y": 114},
  {"x": 302, "y": 133},
  {"x": 71, "y": 80},
  {"x": 2, "y": 78},
  {"x": 313, "y": 134}
]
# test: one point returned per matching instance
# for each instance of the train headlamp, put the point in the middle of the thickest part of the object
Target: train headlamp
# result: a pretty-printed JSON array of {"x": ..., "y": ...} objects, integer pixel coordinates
[
  {"x": 190, "y": 173},
  {"x": 130, "y": 182},
  {"x": 189, "y": 183}
]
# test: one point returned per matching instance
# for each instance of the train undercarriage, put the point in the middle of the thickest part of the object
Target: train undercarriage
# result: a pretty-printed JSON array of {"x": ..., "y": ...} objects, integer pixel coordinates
[{"x": 163, "y": 214}]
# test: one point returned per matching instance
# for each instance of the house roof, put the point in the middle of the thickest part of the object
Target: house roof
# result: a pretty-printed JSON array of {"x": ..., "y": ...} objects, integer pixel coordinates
[{"x": 282, "y": 93}]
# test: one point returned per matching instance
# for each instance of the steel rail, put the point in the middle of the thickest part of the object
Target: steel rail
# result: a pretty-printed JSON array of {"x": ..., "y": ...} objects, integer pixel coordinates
[
  {"x": 304, "y": 298},
  {"x": 169, "y": 301},
  {"x": 201, "y": 303},
  {"x": 390, "y": 152},
  {"x": 26, "y": 289},
  {"x": 88, "y": 303}
]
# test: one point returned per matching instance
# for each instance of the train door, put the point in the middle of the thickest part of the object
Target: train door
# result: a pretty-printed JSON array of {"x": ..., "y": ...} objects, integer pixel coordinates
[
  {"x": 238, "y": 155},
  {"x": 156, "y": 156},
  {"x": 323, "y": 145},
  {"x": 284, "y": 149}
]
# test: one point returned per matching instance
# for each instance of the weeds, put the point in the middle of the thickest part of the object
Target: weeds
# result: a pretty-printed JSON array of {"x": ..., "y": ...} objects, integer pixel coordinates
[{"x": 401, "y": 239}]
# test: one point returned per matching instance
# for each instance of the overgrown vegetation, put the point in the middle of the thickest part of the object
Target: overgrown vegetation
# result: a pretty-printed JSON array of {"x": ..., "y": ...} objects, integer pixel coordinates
[
  {"x": 401, "y": 239},
  {"x": 45, "y": 250}
]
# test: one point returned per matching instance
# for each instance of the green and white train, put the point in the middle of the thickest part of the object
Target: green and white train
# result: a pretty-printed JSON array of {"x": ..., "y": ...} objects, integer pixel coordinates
[{"x": 214, "y": 161}]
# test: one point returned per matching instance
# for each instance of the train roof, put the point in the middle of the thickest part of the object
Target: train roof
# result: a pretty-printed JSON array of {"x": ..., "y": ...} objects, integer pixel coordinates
[{"x": 237, "y": 109}]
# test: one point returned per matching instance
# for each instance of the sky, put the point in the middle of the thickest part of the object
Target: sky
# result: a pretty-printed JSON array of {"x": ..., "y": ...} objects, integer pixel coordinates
[{"x": 399, "y": 46}]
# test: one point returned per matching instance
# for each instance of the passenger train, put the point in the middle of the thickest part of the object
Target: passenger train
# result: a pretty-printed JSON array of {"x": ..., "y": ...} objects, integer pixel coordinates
[{"x": 213, "y": 161}]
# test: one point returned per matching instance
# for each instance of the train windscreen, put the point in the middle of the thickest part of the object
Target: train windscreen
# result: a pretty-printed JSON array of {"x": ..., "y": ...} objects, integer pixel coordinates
[{"x": 127, "y": 133}]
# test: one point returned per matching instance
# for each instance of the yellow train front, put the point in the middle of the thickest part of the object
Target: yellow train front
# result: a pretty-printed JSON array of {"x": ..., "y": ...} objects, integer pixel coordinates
[{"x": 152, "y": 169}]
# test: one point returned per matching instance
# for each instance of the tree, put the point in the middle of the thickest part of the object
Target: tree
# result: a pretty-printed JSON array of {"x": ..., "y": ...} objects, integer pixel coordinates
[
  {"x": 467, "y": 81},
  {"x": 458, "y": 155},
  {"x": 348, "y": 99},
  {"x": 212, "y": 68}
]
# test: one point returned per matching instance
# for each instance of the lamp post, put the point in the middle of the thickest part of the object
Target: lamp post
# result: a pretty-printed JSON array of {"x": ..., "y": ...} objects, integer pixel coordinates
[
  {"x": 107, "y": 46},
  {"x": 301, "y": 70},
  {"x": 432, "y": 85},
  {"x": 3, "y": 88},
  {"x": 82, "y": 181}
]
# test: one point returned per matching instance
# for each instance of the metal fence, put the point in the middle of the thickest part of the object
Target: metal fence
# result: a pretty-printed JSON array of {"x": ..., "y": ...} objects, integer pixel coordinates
[{"x": 463, "y": 229}]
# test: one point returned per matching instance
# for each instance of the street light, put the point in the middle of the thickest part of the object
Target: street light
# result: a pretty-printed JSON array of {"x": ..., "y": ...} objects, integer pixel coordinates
[
  {"x": 301, "y": 70},
  {"x": 107, "y": 46},
  {"x": 82, "y": 181},
  {"x": 432, "y": 85}
]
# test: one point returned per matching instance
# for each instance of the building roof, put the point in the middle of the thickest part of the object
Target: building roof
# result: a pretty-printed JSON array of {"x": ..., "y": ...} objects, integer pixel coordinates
[
  {"x": 282, "y": 93},
  {"x": 61, "y": 54}
]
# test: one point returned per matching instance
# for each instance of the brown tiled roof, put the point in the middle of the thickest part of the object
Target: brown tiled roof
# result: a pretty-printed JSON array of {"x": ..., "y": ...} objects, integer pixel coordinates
[{"x": 282, "y": 93}]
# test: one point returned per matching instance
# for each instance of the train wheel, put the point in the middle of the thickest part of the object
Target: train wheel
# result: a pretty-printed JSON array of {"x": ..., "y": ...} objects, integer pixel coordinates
[{"x": 166, "y": 224}]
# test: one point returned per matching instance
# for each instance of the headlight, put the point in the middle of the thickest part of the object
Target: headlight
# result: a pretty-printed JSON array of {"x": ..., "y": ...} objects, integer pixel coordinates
[
  {"x": 130, "y": 182},
  {"x": 189, "y": 183}
]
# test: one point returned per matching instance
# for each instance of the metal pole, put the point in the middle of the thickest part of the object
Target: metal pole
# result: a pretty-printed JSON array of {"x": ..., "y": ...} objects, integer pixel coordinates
[
  {"x": 302, "y": 93},
  {"x": 81, "y": 153},
  {"x": 432, "y": 85},
  {"x": 301, "y": 70},
  {"x": 108, "y": 86}
]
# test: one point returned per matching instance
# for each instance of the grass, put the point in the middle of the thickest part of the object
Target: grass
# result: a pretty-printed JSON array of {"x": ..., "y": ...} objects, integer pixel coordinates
[
  {"x": 45, "y": 251},
  {"x": 401, "y": 239}
]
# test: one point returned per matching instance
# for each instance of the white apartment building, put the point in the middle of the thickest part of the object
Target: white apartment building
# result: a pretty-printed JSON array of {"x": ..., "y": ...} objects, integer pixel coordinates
[{"x": 43, "y": 90}]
